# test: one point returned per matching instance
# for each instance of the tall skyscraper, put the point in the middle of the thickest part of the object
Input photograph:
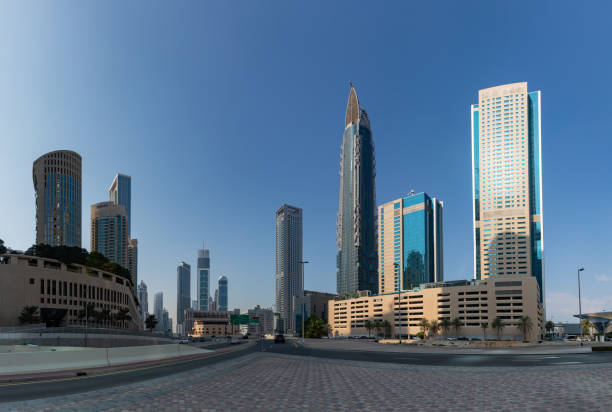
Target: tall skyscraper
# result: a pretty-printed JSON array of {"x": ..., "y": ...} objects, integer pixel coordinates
[
  {"x": 222, "y": 299},
  {"x": 410, "y": 243},
  {"x": 132, "y": 263},
  {"x": 203, "y": 279},
  {"x": 57, "y": 187},
  {"x": 120, "y": 193},
  {"x": 507, "y": 183},
  {"x": 143, "y": 298},
  {"x": 158, "y": 309},
  {"x": 183, "y": 291},
  {"x": 109, "y": 232},
  {"x": 288, "y": 268},
  {"x": 356, "y": 231},
  {"x": 194, "y": 305}
]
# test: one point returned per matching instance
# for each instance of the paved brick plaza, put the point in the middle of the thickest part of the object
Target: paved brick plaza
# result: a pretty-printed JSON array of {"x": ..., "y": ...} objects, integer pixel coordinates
[{"x": 282, "y": 382}]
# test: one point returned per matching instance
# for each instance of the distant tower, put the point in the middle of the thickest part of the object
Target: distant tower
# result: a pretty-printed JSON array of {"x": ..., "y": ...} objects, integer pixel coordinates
[
  {"x": 158, "y": 309},
  {"x": 57, "y": 186},
  {"x": 183, "y": 291},
  {"x": 120, "y": 193},
  {"x": 222, "y": 300},
  {"x": 356, "y": 229},
  {"x": 132, "y": 263},
  {"x": 203, "y": 279},
  {"x": 288, "y": 268},
  {"x": 109, "y": 232},
  {"x": 143, "y": 298}
]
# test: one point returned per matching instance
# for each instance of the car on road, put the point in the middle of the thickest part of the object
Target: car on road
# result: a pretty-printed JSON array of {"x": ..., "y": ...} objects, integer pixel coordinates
[
  {"x": 183, "y": 341},
  {"x": 279, "y": 339}
]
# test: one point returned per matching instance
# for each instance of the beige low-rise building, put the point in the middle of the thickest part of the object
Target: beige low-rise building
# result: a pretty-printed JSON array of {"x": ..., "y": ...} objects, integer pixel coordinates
[
  {"x": 61, "y": 291},
  {"x": 209, "y": 323},
  {"x": 474, "y": 302}
]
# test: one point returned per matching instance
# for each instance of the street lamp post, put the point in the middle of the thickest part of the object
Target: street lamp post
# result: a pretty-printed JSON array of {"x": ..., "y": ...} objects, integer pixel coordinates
[
  {"x": 303, "y": 262},
  {"x": 399, "y": 301},
  {"x": 580, "y": 269}
]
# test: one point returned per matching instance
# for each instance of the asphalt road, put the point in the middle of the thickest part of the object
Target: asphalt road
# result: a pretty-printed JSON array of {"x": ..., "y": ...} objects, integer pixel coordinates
[
  {"x": 443, "y": 359},
  {"x": 21, "y": 391}
]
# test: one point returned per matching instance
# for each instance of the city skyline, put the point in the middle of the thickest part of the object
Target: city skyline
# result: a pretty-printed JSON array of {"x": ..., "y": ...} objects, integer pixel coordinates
[{"x": 422, "y": 142}]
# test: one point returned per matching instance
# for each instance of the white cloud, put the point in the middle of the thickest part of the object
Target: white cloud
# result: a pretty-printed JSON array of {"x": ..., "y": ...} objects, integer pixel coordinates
[
  {"x": 603, "y": 278},
  {"x": 562, "y": 306}
]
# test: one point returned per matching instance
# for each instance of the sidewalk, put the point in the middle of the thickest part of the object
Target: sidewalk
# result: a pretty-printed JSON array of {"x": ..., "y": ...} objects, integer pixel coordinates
[
  {"x": 360, "y": 345},
  {"x": 89, "y": 371}
]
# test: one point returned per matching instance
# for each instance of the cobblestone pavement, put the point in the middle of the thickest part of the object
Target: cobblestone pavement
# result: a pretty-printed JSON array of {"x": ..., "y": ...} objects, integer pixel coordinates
[{"x": 282, "y": 382}]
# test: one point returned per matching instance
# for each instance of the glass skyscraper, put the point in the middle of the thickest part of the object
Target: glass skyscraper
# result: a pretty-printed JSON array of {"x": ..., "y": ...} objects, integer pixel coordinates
[
  {"x": 57, "y": 186},
  {"x": 222, "y": 299},
  {"x": 288, "y": 268},
  {"x": 507, "y": 183},
  {"x": 120, "y": 193},
  {"x": 410, "y": 243},
  {"x": 356, "y": 228},
  {"x": 203, "y": 279},
  {"x": 109, "y": 232},
  {"x": 183, "y": 291}
]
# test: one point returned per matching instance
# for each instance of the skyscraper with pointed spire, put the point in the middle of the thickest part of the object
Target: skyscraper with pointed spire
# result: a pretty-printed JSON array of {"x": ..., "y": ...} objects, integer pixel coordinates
[{"x": 357, "y": 260}]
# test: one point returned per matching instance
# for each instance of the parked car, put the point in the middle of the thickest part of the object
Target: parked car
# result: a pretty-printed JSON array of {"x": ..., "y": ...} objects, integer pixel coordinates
[{"x": 279, "y": 339}]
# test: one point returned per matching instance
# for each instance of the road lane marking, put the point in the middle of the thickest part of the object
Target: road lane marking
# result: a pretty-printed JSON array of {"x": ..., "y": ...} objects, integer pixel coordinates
[{"x": 565, "y": 363}]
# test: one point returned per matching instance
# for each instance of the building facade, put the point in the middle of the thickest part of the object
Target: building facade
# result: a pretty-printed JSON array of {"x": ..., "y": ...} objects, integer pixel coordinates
[
  {"x": 507, "y": 183},
  {"x": 109, "y": 232},
  {"x": 57, "y": 187},
  {"x": 203, "y": 279},
  {"x": 222, "y": 298},
  {"x": 288, "y": 276},
  {"x": 356, "y": 228},
  {"x": 120, "y": 193},
  {"x": 410, "y": 243},
  {"x": 265, "y": 318},
  {"x": 62, "y": 291},
  {"x": 143, "y": 298},
  {"x": 317, "y": 303},
  {"x": 183, "y": 291},
  {"x": 474, "y": 302}
]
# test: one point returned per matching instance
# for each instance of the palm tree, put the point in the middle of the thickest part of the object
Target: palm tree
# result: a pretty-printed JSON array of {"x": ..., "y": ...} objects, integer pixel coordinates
[
  {"x": 445, "y": 324},
  {"x": 150, "y": 322},
  {"x": 550, "y": 326},
  {"x": 457, "y": 324},
  {"x": 387, "y": 327},
  {"x": 424, "y": 325},
  {"x": 122, "y": 315},
  {"x": 498, "y": 325},
  {"x": 586, "y": 327},
  {"x": 29, "y": 314},
  {"x": 525, "y": 325},
  {"x": 105, "y": 316},
  {"x": 484, "y": 326},
  {"x": 369, "y": 325},
  {"x": 434, "y": 327},
  {"x": 378, "y": 324}
]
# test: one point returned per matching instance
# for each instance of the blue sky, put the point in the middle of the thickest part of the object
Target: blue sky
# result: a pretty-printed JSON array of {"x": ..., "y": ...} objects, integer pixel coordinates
[{"x": 223, "y": 111}]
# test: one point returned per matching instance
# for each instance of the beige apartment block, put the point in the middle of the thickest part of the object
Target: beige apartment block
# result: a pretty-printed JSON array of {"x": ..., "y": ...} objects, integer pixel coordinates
[
  {"x": 60, "y": 291},
  {"x": 209, "y": 323},
  {"x": 507, "y": 178},
  {"x": 473, "y": 301}
]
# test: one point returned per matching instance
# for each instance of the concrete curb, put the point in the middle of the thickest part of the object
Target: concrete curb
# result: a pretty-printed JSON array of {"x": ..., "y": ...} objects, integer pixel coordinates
[{"x": 113, "y": 366}]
